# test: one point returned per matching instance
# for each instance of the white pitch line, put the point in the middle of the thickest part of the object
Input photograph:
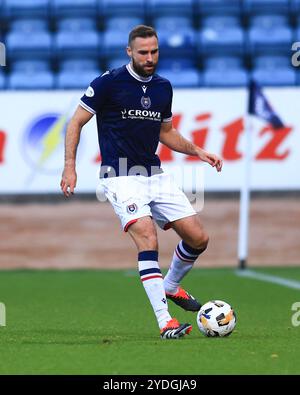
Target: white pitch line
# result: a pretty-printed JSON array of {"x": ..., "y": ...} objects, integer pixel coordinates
[{"x": 268, "y": 278}]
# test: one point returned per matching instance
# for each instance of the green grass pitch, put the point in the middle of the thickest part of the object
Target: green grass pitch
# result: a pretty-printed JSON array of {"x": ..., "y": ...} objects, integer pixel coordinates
[{"x": 100, "y": 322}]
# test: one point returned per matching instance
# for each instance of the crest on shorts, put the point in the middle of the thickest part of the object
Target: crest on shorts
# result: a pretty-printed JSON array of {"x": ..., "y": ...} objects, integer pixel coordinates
[
  {"x": 132, "y": 208},
  {"x": 145, "y": 102}
]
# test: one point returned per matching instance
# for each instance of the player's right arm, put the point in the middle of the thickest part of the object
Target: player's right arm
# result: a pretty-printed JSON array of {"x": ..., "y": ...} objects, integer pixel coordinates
[
  {"x": 69, "y": 176},
  {"x": 91, "y": 103}
]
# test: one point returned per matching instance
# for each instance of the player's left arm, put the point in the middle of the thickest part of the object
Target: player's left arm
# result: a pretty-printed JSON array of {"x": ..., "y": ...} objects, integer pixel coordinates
[{"x": 170, "y": 137}]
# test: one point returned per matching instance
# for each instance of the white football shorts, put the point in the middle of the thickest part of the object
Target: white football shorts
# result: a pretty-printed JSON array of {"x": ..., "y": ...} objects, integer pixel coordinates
[{"x": 158, "y": 196}]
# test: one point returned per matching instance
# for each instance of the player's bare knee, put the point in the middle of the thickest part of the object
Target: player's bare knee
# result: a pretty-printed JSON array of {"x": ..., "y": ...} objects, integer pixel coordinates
[
  {"x": 147, "y": 241},
  {"x": 204, "y": 241},
  {"x": 200, "y": 242},
  {"x": 151, "y": 242},
  {"x": 144, "y": 236}
]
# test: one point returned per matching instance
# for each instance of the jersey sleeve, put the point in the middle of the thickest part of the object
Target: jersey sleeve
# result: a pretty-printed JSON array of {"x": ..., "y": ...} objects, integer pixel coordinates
[
  {"x": 167, "y": 114},
  {"x": 96, "y": 94}
]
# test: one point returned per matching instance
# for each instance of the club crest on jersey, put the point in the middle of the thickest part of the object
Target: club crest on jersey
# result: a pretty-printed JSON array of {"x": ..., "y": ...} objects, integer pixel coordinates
[
  {"x": 132, "y": 208},
  {"x": 145, "y": 102}
]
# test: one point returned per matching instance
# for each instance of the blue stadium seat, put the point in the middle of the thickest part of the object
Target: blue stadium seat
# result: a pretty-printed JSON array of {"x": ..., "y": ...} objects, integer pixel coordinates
[
  {"x": 297, "y": 34},
  {"x": 180, "y": 63},
  {"x": 278, "y": 77},
  {"x": 75, "y": 79},
  {"x": 2, "y": 80},
  {"x": 173, "y": 23},
  {"x": 74, "y": 8},
  {"x": 31, "y": 44},
  {"x": 122, "y": 8},
  {"x": 273, "y": 70},
  {"x": 269, "y": 34},
  {"x": 77, "y": 44},
  {"x": 76, "y": 24},
  {"x": 269, "y": 21},
  {"x": 38, "y": 42},
  {"x": 295, "y": 6},
  {"x": 3, "y": 51},
  {"x": 176, "y": 35},
  {"x": 79, "y": 64},
  {"x": 177, "y": 43},
  {"x": 27, "y": 8},
  {"x": 114, "y": 43},
  {"x": 124, "y": 24},
  {"x": 31, "y": 80},
  {"x": 29, "y": 25},
  {"x": 221, "y": 22},
  {"x": 115, "y": 37},
  {"x": 170, "y": 7},
  {"x": 219, "y": 7},
  {"x": 266, "y": 6},
  {"x": 190, "y": 78},
  {"x": 223, "y": 62},
  {"x": 271, "y": 62},
  {"x": 221, "y": 34},
  {"x": 30, "y": 65},
  {"x": 232, "y": 78},
  {"x": 224, "y": 72},
  {"x": 116, "y": 62}
]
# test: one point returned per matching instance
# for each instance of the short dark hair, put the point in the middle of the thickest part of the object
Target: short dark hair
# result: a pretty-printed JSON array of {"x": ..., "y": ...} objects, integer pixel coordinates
[{"x": 141, "y": 31}]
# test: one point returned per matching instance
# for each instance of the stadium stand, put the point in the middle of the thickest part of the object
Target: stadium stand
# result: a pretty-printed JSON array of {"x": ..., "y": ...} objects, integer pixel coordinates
[
  {"x": 116, "y": 34},
  {"x": 73, "y": 8},
  {"x": 177, "y": 63},
  {"x": 133, "y": 8},
  {"x": 198, "y": 38},
  {"x": 295, "y": 6},
  {"x": 38, "y": 42},
  {"x": 222, "y": 71},
  {"x": 221, "y": 34},
  {"x": 2, "y": 80},
  {"x": 219, "y": 7},
  {"x": 270, "y": 34},
  {"x": 77, "y": 37},
  {"x": 170, "y": 7},
  {"x": 77, "y": 73},
  {"x": 31, "y": 65},
  {"x": 173, "y": 23},
  {"x": 31, "y": 79},
  {"x": 189, "y": 79},
  {"x": 176, "y": 37},
  {"x": 273, "y": 70},
  {"x": 76, "y": 79},
  {"x": 114, "y": 63},
  {"x": 27, "y": 8},
  {"x": 267, "y": 6}
]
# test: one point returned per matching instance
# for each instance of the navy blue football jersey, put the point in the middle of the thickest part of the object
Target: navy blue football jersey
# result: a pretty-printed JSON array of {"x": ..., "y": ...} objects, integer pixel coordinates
[{"x": 129, "y": 111}]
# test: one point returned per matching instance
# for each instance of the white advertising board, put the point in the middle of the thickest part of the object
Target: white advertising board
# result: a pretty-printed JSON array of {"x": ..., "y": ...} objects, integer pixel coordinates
[{"x": 32, "y": 127}]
